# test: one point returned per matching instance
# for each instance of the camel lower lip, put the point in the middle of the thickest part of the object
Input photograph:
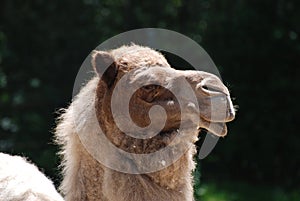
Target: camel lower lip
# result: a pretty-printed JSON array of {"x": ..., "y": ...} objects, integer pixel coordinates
[{"x": 216, "y": 128}]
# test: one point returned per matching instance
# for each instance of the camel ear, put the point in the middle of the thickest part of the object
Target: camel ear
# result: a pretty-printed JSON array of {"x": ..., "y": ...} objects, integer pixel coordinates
[{"x": 105, "y": 66}]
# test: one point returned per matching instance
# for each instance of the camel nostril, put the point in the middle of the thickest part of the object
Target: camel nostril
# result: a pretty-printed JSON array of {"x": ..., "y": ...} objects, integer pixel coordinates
[
  {"x": 211, "y": 86},
  {"x": 210, "y": 89},
  {"x": 205, "y": 87}
]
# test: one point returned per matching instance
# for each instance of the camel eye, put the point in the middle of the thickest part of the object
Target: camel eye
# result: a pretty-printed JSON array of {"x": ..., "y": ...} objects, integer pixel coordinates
[{"x": 149, "y": 88}]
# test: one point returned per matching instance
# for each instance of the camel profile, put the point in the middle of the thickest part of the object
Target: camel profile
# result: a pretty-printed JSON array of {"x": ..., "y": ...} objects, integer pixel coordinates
[{"x": 86, "y": 178}]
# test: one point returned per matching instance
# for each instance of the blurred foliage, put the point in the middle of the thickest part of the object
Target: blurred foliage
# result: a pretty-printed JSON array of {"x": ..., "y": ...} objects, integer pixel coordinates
[{"x": 255, "y": 45}]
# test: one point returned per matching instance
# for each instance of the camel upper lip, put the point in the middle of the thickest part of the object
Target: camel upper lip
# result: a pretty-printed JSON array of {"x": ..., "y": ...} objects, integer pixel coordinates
[
  {"x": 220, "y": 109},
  {"x": 228, "y": 118}
]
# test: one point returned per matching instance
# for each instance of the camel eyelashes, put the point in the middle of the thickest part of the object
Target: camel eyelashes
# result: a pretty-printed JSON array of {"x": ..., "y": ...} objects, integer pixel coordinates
[
  {"x": 150, "y": 92},
  {"x": 150, "y": 87}
]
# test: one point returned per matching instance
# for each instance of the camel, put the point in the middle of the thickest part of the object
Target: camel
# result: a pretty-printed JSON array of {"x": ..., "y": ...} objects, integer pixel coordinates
[
  {"x": 86, "y": 178},
  {"x": 21, "y": 180}
]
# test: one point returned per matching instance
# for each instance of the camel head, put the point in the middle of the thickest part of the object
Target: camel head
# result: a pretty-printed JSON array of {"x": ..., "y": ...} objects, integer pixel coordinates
[{"x": 139, "y": 91}]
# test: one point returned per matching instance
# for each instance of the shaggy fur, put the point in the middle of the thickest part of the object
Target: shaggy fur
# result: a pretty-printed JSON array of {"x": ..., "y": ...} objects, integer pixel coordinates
[
  {"x": 22, "y": 181},
  {"x": 87, "y": 179}
]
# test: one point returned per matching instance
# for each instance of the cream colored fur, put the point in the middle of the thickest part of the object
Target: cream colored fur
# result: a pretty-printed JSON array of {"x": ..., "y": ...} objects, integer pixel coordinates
[{"x": 22, "y": 181}]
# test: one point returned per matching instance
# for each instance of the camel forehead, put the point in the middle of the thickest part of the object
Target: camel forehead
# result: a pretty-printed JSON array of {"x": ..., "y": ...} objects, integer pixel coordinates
[
  {"x": 154, "y": 75},
  {"x": 137, "y": 56}
]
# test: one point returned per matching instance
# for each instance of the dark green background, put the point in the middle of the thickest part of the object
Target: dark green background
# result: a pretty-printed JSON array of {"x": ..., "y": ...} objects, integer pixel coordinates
[{"x": 254, "y": 43}]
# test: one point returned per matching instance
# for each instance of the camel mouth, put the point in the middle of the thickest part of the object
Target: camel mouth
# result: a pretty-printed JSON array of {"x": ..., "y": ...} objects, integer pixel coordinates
[
  {"x": 215, "y": 125},
  {"x": 210, "y": 113}
]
